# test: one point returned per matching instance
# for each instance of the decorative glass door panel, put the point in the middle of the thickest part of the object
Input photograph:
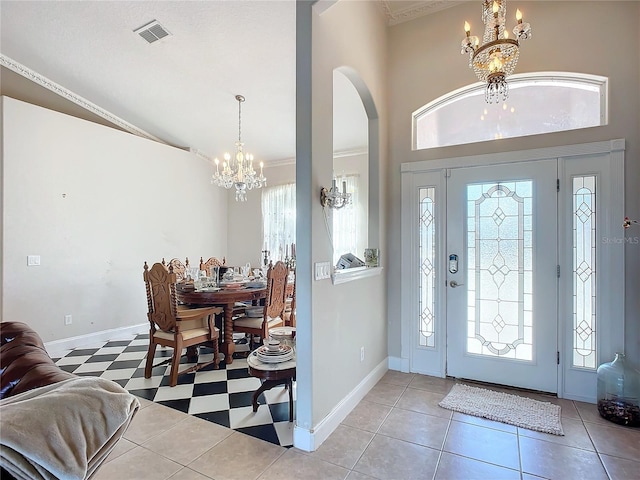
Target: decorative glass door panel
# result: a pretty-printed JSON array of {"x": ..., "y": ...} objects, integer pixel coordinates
[
  {"x": 426, "y": 283},
  {"x": 502, "y": 297},
  {"x": 584, "y": 271},
  {"x": 499, "y": 276}
]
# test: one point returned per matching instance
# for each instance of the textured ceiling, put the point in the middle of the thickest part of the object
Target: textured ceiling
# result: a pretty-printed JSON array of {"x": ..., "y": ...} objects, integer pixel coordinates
[{"x": 181, "y": 88}]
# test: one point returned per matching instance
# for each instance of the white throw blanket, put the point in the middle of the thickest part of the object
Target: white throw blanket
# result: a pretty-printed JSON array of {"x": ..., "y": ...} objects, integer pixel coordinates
[{"x": 63, "y": 430}]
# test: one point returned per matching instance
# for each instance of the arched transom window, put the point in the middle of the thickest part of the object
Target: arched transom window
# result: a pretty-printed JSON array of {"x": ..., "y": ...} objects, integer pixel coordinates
[{"x": 538, "y": 103}]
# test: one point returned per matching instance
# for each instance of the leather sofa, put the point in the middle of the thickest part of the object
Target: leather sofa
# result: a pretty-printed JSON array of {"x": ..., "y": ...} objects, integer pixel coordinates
[
  {"x": 54, "y": 424},
  {"x": 24, "y": 361}
]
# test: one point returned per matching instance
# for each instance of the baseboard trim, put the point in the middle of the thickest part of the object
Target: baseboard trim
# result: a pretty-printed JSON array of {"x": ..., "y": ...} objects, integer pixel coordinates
[
  {"x": 399, "y": 364},
  {"x": 95, "y": 337},
  {"x": 310, "y": 440}
]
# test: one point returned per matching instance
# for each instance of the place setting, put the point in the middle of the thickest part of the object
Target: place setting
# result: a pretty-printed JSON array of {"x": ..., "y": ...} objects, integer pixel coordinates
[{"x": 243, "y": 277}]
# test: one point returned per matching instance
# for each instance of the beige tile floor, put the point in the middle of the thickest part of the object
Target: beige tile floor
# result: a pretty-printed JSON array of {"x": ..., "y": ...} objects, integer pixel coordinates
[{"x": 397, "y": 432}]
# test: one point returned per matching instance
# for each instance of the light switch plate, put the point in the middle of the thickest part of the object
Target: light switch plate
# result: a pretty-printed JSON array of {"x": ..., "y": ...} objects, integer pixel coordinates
[
  {"x": 323, "y": 270},
  {"x": 33, "y": 260}
]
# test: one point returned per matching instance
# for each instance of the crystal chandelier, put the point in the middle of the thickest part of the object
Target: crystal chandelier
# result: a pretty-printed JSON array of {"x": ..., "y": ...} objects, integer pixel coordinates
[
  {"x": 238, "y": 170},
  {"x": 496, "y": 58}
]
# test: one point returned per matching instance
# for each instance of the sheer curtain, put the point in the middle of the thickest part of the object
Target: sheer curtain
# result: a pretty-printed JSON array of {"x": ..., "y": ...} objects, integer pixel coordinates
[
  {"x": 279, "y": 219},
  {"x": 346, "y": 222}
]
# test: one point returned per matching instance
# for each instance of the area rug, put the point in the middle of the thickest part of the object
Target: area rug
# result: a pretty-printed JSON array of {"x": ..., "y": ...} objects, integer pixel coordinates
[{"x": 503, "y": 407}]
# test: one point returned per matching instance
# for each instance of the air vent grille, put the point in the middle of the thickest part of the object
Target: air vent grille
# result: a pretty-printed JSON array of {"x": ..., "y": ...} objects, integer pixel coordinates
[{"x": 152, "y": 31}]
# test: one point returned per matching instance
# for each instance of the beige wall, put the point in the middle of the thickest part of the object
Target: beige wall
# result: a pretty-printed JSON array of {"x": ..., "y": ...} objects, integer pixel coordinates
[
  {"x": 95, "y": 203},
  {"x": 342, "y": 317},
  {"x": 424, "y": 64}
]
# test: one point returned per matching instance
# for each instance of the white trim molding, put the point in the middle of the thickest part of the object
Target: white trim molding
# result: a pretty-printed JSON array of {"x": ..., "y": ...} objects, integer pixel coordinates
[
  {"x": 607, "y": 146},
  {"x": 604, "y": 159},
  {"x": 73, "y": 98},
  {"x": 310, "y": 440},
  {"x": 91, "y": 338},
  {"x": 351, "y": 274},
  {"x": 399, "y": 364}
]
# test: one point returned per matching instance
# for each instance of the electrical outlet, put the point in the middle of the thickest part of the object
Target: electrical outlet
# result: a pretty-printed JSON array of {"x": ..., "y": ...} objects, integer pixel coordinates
[
  {"x": 362, "y": 354},
  {"x": 68, "y": 320},
  {"x": 33, "y": 260}
]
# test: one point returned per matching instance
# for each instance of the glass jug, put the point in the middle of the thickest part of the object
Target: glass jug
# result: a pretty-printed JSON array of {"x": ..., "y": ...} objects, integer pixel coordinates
[{"x": 619, "y": 392}]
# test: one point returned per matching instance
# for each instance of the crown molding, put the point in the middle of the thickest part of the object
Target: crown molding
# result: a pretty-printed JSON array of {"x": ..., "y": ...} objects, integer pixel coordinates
[
  {"x": 72, "y": 97},
  {"x": 415, "y": 10}
]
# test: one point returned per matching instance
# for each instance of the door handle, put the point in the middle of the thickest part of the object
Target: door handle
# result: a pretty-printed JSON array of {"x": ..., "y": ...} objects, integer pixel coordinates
[{"x": 454, "y": 284}]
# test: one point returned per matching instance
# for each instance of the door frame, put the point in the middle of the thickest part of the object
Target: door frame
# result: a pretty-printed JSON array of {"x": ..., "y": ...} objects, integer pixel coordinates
[
  {"x": 540, "y": 371},
  {"x": 573, "y": 383}
]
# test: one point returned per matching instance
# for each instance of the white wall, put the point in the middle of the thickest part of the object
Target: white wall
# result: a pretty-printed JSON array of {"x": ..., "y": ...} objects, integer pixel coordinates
[
  {"x": 95, "y": 203},
  {"x": 341, "y": 318},
  {"x": 424, "y": 64}
]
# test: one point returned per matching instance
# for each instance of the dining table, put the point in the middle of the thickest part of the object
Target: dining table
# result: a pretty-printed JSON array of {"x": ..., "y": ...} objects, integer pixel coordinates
[{"x": 225, "y": 298}]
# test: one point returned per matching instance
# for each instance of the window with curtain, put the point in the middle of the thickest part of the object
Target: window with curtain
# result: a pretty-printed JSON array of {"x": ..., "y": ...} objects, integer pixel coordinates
[
  {"x": 346, "y": 222},
  {"x": 279, "y": 219}
]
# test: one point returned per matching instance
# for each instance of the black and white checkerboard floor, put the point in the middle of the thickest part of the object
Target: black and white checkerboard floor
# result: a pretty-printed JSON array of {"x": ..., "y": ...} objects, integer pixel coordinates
[{"x": 221, "y": 396}]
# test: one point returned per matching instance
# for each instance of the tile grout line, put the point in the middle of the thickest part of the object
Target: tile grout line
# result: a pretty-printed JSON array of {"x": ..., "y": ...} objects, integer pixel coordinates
[
  {"x": 444, "y": 441},
  {"x": 381, "y": 423},
  {"x": 595, "y": 448}
]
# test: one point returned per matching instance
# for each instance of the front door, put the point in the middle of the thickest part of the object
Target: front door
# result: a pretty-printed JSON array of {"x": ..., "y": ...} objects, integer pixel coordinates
[{"x": 501, "y": 274}]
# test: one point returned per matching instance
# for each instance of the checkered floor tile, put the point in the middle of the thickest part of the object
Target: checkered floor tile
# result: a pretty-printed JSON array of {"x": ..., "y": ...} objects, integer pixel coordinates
[{"x": 221, "y": 396}]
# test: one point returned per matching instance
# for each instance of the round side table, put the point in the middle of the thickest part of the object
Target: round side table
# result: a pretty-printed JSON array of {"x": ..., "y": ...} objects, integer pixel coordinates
[{"x": 272, "y": 374}]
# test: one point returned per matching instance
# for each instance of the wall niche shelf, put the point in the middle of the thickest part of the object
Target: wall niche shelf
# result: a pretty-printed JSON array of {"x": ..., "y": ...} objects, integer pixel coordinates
[{"x": 351, "y": 274}]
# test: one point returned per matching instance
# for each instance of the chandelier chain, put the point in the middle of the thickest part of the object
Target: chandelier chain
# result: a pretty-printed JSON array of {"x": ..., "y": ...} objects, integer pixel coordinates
[{"x": 240, "y": 99}]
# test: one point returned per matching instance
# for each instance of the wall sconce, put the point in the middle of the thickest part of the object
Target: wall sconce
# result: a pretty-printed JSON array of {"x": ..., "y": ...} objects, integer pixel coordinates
[{"x": 334, "y": 198}]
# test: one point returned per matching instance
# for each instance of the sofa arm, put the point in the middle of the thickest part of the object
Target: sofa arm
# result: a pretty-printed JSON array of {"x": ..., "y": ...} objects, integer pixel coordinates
[{"x": 24, "y": 361}]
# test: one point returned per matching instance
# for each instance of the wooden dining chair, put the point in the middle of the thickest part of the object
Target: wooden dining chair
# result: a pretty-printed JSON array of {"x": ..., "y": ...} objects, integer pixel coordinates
[
  {"x": 273, "y": 313},
  {"x": 180, "y": 269},
  {"x": 176, "y": 326},
  {"x": 290, "y": 306},
  {"x": 212, "y": 262}
]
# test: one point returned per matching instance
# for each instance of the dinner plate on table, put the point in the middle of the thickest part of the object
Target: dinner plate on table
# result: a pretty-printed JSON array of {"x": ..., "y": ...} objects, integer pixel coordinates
[
  {"x": 208, "y": 289},
  {"x": 233, "y": 286}
]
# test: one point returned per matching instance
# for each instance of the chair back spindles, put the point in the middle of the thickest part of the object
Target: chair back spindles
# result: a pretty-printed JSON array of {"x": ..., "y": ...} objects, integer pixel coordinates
[
  {"x": 276, "y": 290},
  {"x": 149, "y": 296}
]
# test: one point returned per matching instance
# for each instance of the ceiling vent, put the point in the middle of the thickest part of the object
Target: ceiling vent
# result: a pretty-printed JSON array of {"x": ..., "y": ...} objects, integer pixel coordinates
[{"x": 152, "y": 31}]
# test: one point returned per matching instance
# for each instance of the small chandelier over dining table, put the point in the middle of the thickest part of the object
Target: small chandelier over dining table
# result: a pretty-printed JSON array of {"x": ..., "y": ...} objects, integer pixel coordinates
[
  {"x": 496, "y": 58},
  {"x": 238, "y": 170}
]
